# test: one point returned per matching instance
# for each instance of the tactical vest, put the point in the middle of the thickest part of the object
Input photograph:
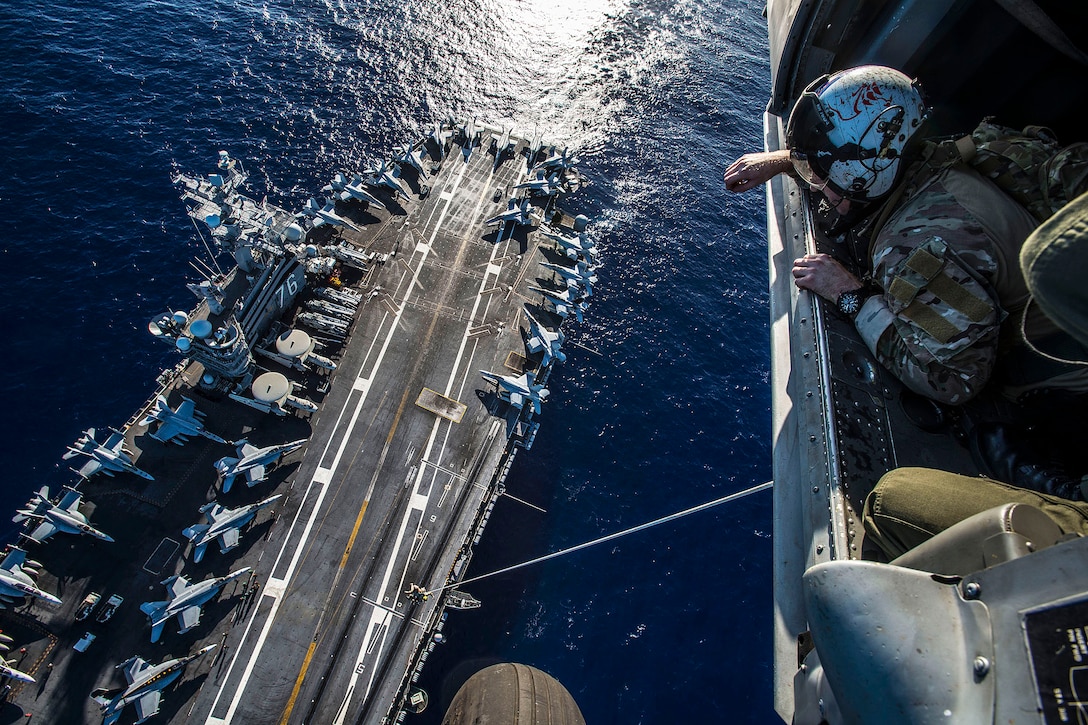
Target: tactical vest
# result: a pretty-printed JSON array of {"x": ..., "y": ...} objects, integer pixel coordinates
[
  {"x": 1040, "y": 176},
  {"x": 1029, "y": 165}
]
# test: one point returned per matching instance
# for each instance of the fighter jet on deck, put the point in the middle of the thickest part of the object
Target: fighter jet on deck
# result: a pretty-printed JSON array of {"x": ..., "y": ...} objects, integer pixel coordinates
[
  {"x": 440, "y": 136},
  {"x": 470, "y": 136},
  {"x": 65, "y": 517},
  {"x": 383, "y": 175},
  {"x": 502, "y": 145},
  {"x": 565, "y": 302},
  {"x": 406, "y": 155},
  {"x": 573, "y": 246},
  {"x": 557, "y": 162},
  {"x": 514, "y": 214},
  {"x": 542, "y": 184},
  {"x": 326, "y": 214},
  {"x": 535, "y": 144},
  {"x": 581, "y": 274},
  {"x": 185, "y": 601},
  {"x": 110, "y": 457},
  {"x": 146, "y": 681},
  {"x": 177, "y": 425},
  {"x": 17, "y": 578},
  {"x": 541, "y": 339},
  {"x": 518, "y": 389},
  {"x": 6, "y": 670},
  {"x": 252, "y": 462},
  {"x": 224, "y": 524},
  {"x": 354, "y": 189}
]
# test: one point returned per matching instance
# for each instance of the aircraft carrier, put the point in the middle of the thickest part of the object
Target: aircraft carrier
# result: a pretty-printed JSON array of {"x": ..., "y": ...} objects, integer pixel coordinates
[{"x": 362, "y": 326}]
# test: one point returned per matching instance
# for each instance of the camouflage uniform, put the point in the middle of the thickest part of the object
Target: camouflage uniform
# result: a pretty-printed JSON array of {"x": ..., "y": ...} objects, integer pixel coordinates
[{"x": 946, "y": 260}]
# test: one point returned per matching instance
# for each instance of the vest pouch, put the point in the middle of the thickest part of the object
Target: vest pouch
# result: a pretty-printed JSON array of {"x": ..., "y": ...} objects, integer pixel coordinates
[{"x": 940, "y": 302}]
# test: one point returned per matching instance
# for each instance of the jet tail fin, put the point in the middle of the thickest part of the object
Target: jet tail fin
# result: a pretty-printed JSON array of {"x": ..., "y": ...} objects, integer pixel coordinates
[
  {"x": 153, "y": 609},
  {"x": 104, "y": 695},
  {"x": 194, "y": 531}
]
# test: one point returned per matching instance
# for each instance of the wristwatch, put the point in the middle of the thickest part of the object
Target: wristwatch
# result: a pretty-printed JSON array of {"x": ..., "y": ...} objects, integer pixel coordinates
[{"x": 849, "y": 302}]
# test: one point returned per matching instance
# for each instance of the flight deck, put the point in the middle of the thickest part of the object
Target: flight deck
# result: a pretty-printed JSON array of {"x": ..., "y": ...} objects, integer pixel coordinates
[{"x": 407, "y": 448}]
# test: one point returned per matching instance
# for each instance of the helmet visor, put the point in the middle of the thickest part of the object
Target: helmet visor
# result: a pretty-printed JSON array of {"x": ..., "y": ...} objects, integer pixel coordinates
[
  {"x": 815, "y": 180},
  {"x": 807, "y": 136}
]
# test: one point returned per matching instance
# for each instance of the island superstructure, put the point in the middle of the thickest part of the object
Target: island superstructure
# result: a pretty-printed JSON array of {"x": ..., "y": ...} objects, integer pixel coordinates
[{"x": 374, "y": 332}]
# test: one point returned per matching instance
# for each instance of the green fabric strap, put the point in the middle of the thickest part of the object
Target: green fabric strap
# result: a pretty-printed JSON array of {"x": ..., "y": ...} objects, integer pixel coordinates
[
  {"x": 930, "y": 321},
  {"x": 902, "y": 290},
  {"x": 960, "y": 298},
  {"x": 924, "y": 263}
]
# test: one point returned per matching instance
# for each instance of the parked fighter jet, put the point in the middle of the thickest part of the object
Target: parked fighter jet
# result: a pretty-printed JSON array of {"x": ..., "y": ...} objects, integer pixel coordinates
[
  {"x": 559, "y": 162},
  {"x": 185, "y": 601},
  {"x": 65, "y": 517},
  {"x": 383, "y": 175},
  {"x": 440, "y": 136},
  {"x": 517, "y": 389},
  {"x": 177, "y": 425},
  {"x": 407, "y": 155},
  {"x": 535, "y": 144},
  {"x": 326, "y": 214},
  {"x": 514, "y": 214},
  {"x": 354, "y": 189},
  {"x": 470, "y": 136},
  {"x": 110, "y": 457},
  {"x": 17, "y": 578},
  {"x": 224, "y": 524},
  {"x": 502, "y": 145},
  {"x": 252, "y": 462},
  {"x": 565, "y": 302},
  {"x": 581, "y": 274},
  {"x": 541, "y": 339},
  {"x": 542, "y": 184},
  {"x": 6, "y": 670},
  {"x": 573, "y": 246},
  {"x": 146, "y": 681}
]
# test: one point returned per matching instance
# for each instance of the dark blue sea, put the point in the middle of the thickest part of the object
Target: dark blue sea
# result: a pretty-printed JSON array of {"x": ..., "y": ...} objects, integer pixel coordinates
[{"x": 663, "y": 402}]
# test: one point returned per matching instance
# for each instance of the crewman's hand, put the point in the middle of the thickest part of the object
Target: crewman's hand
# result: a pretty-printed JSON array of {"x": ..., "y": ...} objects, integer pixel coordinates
[
  {"x": 751, "y": 170},
  {"x": 824, "y": 276}
]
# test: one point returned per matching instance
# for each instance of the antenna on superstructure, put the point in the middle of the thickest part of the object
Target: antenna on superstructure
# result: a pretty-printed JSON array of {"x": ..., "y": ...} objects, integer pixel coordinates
[{"x": 205, "y": 243}]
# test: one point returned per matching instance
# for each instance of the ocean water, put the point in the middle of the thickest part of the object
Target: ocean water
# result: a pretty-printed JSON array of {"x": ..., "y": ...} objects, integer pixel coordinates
[{"x": 663, "y": 402}]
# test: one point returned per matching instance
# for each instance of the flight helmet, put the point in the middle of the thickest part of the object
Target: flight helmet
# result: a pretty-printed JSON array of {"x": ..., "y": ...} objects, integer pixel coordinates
[{"x": 849, "y": 129}]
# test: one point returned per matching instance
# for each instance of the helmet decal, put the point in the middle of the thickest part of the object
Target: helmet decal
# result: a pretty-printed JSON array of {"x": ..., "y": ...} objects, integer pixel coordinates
[
  {"x": 848, "y": 130},
  {"x": 865, "y": 96}
]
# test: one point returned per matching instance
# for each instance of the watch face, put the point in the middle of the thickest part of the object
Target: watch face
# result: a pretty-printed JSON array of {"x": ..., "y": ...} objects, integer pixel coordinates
[{"x": 849, "y": 303}]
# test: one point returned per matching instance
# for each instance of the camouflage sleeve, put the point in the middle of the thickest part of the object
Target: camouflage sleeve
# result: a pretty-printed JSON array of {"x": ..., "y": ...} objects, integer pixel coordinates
[
  {"x": 936, "y": 324},
  {"x": 902, "y": 348}
]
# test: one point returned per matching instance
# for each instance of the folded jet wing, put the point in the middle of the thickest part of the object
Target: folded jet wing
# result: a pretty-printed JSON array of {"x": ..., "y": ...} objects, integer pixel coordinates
[
  {"x": 64, "y": 516},
  {"x": 146, "y": 682},
  {"x": 518, "y": 389},
  {"x": 470, "y": 136},
  {"x": 502, "y": 145},
  {"x": 515, "y": 214},
  {"x": 326, "y": 214},
  {"x": 545, "y": 341},
  {"x": 176, "y": 426},
  {"x": 110, "y": 457},
  {"x": 440, "y": 136},
  {"x": 356, "y": 189}
]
